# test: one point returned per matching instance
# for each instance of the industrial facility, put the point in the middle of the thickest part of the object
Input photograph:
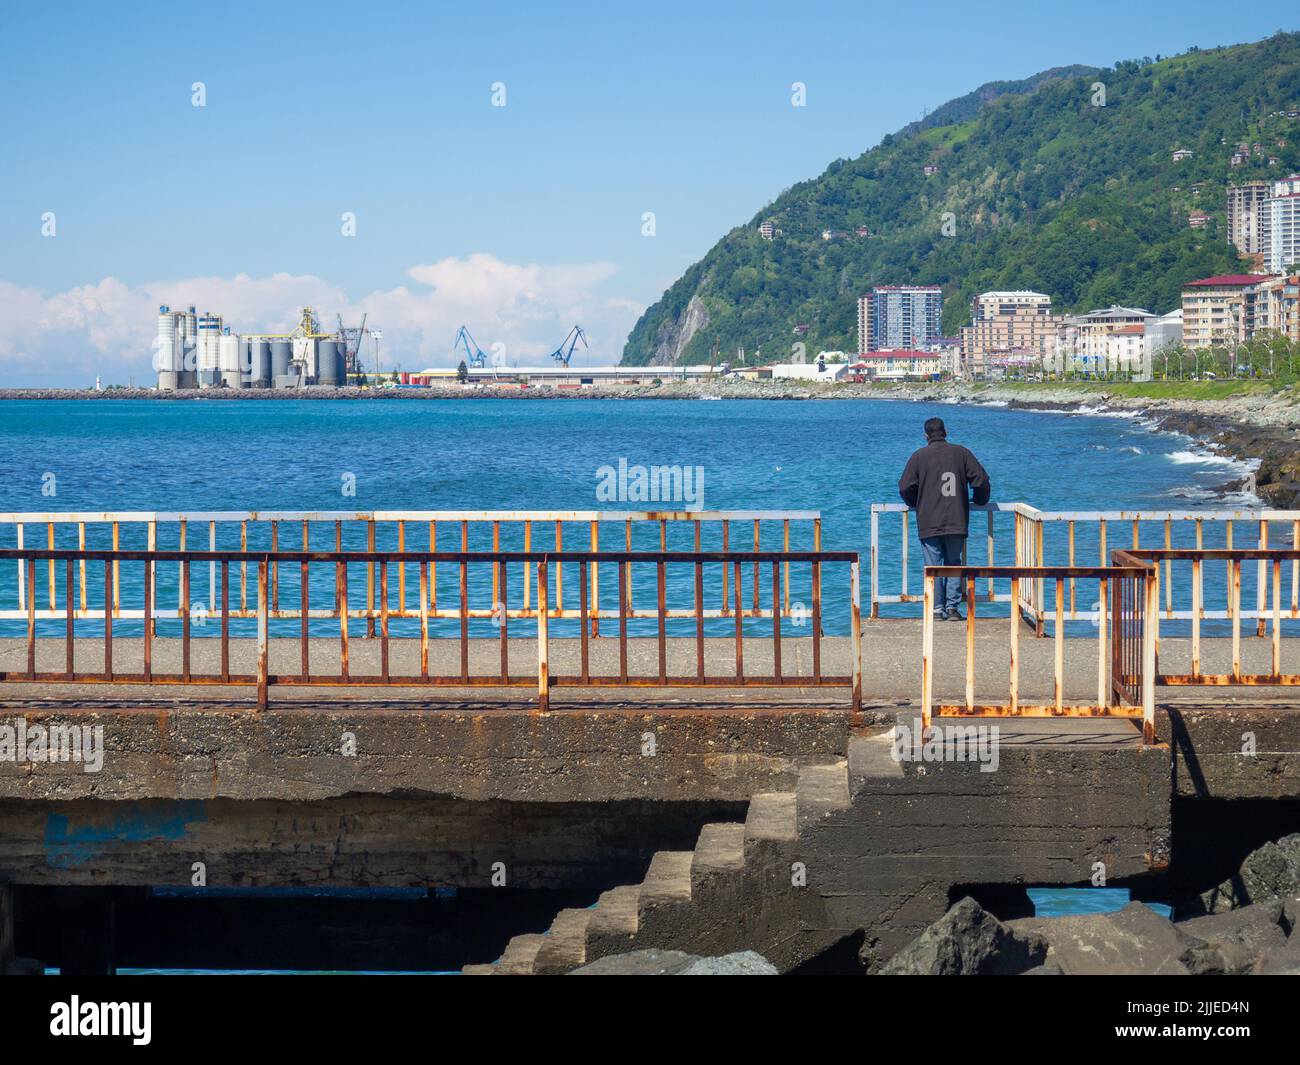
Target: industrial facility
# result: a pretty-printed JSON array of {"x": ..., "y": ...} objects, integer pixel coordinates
[{"x": 200, "y": 351}]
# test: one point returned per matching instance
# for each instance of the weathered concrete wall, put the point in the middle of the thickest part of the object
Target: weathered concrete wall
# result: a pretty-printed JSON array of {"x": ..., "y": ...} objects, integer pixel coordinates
[
  {"x": 353, "y": 842},
  {"x": 1234, "y": 752},
  {"x": 301, "y": 754}
]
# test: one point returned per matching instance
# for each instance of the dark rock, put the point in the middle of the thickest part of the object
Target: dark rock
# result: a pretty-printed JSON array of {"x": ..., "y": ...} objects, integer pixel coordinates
[
  {"x": 1269, "y": 872},
  {"x": 1234, "y": 940},
  {"x": 967, "y": 941},
  {"x": 1283, "y": 960},
  {"x": 1133, "y": 941}
]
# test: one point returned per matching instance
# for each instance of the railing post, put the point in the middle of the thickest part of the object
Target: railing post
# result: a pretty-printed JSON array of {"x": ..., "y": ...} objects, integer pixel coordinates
[
  {"x": 1149, "y": 657},
  {"x": 875, "y": 560},
  {"x": 263, "y": 646},
  {"x": 927, "y": 652},
  {"x": 856, "y": 642},
  {"x": 543, "y": 609}
]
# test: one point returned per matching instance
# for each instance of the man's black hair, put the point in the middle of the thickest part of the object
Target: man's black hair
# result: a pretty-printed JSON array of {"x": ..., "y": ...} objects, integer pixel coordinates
[{"x": 934, "y": 429}]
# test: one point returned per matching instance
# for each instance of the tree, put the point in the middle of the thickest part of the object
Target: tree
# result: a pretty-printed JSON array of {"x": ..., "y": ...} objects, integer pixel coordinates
[{"x": 462, "y": 372}]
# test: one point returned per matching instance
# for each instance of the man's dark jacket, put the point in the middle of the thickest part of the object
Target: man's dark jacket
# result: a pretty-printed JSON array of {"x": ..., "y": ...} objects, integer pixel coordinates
[{"x": 935, "y": 482}]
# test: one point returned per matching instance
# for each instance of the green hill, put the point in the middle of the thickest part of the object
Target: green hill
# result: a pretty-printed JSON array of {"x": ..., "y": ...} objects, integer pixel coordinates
[{"x": 1042, "y": 188}]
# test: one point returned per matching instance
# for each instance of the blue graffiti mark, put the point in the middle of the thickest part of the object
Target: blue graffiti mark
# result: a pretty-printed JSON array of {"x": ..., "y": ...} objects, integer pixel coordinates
[{"x": 68, "y": 845}]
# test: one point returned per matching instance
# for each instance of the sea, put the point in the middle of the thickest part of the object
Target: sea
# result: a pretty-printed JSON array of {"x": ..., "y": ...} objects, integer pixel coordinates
[{"x": 833, "y": 456}]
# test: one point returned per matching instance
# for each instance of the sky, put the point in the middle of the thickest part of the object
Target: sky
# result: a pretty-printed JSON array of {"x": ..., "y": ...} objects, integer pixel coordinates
[{"x": 356, "y": 158}]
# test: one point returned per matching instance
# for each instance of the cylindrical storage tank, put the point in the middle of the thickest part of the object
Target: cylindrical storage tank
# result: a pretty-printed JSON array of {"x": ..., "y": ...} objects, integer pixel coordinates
[
  {"x": 228, "y": 360},
  {"x": 209, "y": 348},
  {"x": 164, "y": 356},
  {"x": 327, "y": 363},
  {"x": 259, "y": 374},
  {"x": 281, "y": 353},
  {"x": 245, "y": 363}
]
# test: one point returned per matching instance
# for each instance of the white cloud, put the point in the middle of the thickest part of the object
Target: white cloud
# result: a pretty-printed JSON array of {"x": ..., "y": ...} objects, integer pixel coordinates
[{"x": 106, "y": 328}]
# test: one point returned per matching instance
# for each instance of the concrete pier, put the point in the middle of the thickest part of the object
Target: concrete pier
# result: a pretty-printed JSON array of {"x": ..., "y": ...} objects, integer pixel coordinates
[{"x": 712, "y": 797}]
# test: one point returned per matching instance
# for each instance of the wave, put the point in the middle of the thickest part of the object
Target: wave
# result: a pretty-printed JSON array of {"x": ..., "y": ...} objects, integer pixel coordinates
[{"x": 1205, "y": 458}]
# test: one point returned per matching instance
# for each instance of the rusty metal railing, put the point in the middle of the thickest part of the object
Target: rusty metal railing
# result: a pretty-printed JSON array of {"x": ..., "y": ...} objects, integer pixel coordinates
[
  {"x": 262, "y": 531},
  {"x": 1124, "y": 675},
  {"x": 1026, "y": 536},
  {"x": 475, "y": 576},
  {"x": 1275, "y": 568}
]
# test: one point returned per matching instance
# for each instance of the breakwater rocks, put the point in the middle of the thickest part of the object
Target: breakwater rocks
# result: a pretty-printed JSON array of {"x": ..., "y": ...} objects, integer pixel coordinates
[{"x": 1249, "y": 926}]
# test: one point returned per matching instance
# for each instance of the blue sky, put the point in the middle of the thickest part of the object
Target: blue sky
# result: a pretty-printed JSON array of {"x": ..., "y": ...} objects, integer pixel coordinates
[{"x": 521, "y": 218}]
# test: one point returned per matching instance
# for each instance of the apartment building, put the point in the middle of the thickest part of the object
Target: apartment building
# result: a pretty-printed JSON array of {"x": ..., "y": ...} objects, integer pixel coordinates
[
  {"x": 1278, "y": 307},
  {"x": 1226, "y": 310},
  {"x": 1084, "y": 344},
  {"x": 1246, "y": 215},
  {"x": 899, "y": 317},
  {"x": 1008, "y": 326}
]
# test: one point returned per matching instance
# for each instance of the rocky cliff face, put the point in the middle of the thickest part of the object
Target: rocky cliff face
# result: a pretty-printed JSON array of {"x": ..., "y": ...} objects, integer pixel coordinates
[{"x": 674, "y": 334}]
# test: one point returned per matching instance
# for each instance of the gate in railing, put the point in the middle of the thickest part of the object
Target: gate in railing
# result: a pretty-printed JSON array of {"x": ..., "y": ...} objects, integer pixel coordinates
[{"x": 1020, "y": 535}]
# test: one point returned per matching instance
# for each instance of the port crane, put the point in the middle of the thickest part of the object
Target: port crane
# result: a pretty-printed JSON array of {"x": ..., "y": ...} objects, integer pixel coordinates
[
  {"x": 474, "y": 355},
  {"x": 564, "y": 352},
  {"x": 352, "y": 339}
]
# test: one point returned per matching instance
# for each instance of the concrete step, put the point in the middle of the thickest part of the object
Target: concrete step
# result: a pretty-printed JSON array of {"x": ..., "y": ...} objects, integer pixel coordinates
[
  {"x": 615, "y": 913},
  {"x": 719, "y": 850},
  {"x": 871, "y": 758},
  {"x": 668, "y": 879},
  {"x": 520, "y": 955},
  {"x": 822, "y": 790},
  {"x": 564, "y": 946},
  {"x": 771, "y": 816}
]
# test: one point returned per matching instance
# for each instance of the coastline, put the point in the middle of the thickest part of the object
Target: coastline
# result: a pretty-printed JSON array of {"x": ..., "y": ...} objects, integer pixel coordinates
[{"x": 1244, "y": 421}]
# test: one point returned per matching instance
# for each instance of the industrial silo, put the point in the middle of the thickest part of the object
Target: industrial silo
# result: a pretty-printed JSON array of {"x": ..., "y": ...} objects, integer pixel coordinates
[
  {"x": 245, "y": 362},
  {"x": 228, "y": 359},
  {"x": 281, "y": 353},
  {"x": 260, "y": 371},
  {"x": 209, "y": 349},
  {"x": 327, "y": 363},
  {"x": 187, "y": 354},
  {"x": 165, "y": 352}
]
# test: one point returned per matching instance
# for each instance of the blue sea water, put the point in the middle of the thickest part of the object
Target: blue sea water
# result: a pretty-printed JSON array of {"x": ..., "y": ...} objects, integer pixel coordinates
[{"x": 833, "y": 456}]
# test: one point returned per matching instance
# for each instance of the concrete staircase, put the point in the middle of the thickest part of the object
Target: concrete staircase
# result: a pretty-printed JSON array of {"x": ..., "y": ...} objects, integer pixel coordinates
[
  {"x": 867, "y": 851},
  {"x": 688, "y": 899}
]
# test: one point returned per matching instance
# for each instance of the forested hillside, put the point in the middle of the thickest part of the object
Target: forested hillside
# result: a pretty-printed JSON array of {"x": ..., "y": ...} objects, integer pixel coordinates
[{"x": 1035, "y": 185}]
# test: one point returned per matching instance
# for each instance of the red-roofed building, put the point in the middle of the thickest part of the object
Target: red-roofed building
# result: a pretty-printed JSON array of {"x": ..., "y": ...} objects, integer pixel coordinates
[
  {"x": 1226, "y": 310},
  {"x": 900, "y": 363}
]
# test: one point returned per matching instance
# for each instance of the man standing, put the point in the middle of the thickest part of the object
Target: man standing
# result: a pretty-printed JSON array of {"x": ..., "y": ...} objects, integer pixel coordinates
[{"x": 939, "y": 482}]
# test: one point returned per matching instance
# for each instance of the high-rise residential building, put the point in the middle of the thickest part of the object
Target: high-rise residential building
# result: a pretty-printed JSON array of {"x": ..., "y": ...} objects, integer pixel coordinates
[
  {"x": 1281, "y": 237},
  {"x": 1226, "y": 310},
  {"x": 1246, "y": 216},
  {"x": 899, "y": 316},
  {"x": 1008, "y": 327}
]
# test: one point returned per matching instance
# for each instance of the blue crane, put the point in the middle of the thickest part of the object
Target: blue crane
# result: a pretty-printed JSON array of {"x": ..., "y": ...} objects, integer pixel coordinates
[
  {"x": 474, "y": 355},
  {"x": 564, "y": 352}
]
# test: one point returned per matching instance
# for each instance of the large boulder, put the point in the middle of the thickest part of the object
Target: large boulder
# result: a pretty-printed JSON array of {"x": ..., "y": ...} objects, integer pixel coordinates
[
  {"x": 677, "y": 963},
  {"x": 1133, "y": 941},
  {"x": 1269, "y": 872},
  {"x": 742, "y": 963},
  {"x": 967, "y": 941},
  {"x": 1235, "y": 940}
]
